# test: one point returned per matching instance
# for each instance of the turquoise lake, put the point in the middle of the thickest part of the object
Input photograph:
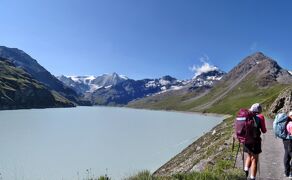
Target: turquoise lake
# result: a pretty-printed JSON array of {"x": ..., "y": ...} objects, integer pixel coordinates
[{"x": 76, "y": 143}]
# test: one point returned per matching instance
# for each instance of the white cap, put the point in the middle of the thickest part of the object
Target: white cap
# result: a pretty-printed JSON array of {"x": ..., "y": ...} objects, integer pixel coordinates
[
  {"x": 257, "y": 108},
  {"x": 290, "y": 113}
]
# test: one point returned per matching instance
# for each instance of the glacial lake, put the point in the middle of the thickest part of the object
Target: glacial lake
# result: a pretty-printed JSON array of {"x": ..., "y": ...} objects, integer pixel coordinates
[{"x": 76, "y": 143}]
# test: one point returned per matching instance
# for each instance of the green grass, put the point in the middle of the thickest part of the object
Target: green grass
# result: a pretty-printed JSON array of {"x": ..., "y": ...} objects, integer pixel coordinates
[
  {"x": 15, "y": 81},
  {"x": 205, "y": 175}
]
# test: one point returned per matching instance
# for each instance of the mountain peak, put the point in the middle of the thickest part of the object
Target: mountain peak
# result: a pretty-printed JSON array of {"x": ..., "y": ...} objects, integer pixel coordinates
[
  {"x": 168, "y": 78},
  {"x": 258, "y": 54},
  {"x": 265, "y": 70}
]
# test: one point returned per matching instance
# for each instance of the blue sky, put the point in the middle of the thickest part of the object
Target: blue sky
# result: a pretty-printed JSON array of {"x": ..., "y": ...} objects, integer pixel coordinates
[{"x": 146, "y": 38}]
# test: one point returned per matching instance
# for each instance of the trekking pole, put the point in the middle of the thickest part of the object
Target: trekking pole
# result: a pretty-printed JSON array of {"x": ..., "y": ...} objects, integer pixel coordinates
[
  {"x": 233, "y": 139},
  {"x": 243, "y": 156},
  {"x": 236, "y": 155},
  {"x": 259, "y": 166},
  {"x": 258, "y": 162}
]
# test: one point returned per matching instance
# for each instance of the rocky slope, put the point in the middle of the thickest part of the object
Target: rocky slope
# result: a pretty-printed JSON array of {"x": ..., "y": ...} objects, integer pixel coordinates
[
  {"x": 283, "y": 103},
  {"x": 19, "y": 90},
  {"x": 20, "y": 59}
]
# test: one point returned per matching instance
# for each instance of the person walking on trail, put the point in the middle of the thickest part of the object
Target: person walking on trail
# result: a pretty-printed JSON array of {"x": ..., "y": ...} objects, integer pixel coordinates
[
  {"x": 288, "y": 148},
  {"x": 254, "y": 149}
]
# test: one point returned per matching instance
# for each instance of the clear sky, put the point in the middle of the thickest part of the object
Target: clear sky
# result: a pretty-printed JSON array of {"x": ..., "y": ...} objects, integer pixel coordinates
[{"x": 146, "y": 38}]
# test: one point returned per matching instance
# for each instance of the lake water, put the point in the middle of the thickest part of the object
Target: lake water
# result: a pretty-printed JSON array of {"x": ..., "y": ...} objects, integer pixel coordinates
[{"x": 74, "y": 143}]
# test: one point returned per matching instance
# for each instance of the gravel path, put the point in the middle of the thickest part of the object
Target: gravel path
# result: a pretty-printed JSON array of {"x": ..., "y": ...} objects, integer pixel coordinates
[{"x": 271, "y": 165}]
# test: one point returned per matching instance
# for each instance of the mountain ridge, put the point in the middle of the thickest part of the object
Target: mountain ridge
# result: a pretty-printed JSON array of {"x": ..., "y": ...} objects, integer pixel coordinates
[
  {"x": 19, "y": 90},
  {"x": 21, "y": 59},
  {"x": 119, "y": 90}
]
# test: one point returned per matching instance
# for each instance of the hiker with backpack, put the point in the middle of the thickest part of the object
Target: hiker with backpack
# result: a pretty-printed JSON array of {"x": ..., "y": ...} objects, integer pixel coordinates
[
  {"x": 287, "y": 142},
  {"x": 249, "y": 125}
]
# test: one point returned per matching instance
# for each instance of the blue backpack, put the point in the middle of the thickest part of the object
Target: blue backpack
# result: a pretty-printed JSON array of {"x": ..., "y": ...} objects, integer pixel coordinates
[{"x": 279, "y": 126}]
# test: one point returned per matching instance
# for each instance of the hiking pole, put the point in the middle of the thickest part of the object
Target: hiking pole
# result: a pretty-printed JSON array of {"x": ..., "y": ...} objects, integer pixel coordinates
[
  {"x": 242, "y": 156},
  {"x": 258, "y": 163},
  {"x": 259, "y": 167},
  {"x": 233, "y": 139},
  {"x": 236, "y": 155}
]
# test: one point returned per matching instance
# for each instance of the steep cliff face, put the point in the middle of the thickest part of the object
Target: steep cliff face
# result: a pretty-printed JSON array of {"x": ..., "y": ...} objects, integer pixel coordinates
[
  {"x": 283, "y": 103},
  {"x": 19, "y": 90}
]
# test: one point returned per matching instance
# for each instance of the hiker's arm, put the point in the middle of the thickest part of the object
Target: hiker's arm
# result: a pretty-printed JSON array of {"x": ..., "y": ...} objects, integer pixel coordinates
[{"x": 263, "y": 123}]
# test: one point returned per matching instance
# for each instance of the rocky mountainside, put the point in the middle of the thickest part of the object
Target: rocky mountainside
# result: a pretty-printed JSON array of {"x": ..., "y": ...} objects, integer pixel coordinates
[
  {"x": 266, "y": 71},
  {"x": 20, "y": 59},
  {"x": 19, "y": 90},
  {"x": 283, "y": 103},
  {"x": 89, "y": 84}
]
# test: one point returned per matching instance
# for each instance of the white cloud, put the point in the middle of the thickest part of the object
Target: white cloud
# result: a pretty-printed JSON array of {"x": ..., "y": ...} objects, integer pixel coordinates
[{"x": 205, "y": 67}]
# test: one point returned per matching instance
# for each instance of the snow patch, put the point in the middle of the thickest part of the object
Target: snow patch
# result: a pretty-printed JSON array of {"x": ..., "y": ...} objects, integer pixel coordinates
[
  {"x": 214, "y": 78},
  {"x": 163, "y": 82},
  {"x": 93, "y": 88},
  {"x": 123, "y": 77},
  {"x": 290, "y": 72},
  {"x": 150, "y": 84},
  {"x": 176, "y": 87},
  {"x": 163, "y": 88},
  {"x": 82, "y": 79}
]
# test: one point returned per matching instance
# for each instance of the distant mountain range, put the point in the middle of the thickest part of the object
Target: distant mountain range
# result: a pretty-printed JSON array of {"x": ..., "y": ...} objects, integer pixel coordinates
[{"x": 114, "y": 89}]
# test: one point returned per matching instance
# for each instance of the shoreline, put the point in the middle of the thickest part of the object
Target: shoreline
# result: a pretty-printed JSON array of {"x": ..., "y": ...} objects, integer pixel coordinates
[
  {"x": 164, "y": 110},
  {"x": 195, "y": 156},
  {"x": 225, "y": 116}
]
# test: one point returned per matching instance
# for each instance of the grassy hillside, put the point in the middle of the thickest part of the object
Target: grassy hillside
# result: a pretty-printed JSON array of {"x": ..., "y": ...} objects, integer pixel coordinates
[{"x": 19, "y": 90}]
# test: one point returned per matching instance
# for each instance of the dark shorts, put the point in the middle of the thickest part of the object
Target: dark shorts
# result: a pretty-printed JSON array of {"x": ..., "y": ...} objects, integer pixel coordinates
[{"x": 253, "y": 148}]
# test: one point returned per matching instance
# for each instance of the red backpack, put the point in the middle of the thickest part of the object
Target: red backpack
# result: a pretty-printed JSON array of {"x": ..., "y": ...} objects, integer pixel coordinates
[{"x": 246, "y": 127}]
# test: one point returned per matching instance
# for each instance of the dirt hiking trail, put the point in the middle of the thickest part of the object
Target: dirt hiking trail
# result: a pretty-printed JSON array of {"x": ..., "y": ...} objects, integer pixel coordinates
[{"x": 271, "y": 165}]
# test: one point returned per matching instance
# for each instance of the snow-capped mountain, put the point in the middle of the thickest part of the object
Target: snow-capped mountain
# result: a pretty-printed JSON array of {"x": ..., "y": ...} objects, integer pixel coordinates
[
  {"x": 207, "y": 78},
  {"x": 114, "y": 89},
  {"x": 85, "y": 84},
  {"x": 290, "y": 72},
  {"x": 128, "y": 90},
  {"x": 165, "y": 83}
]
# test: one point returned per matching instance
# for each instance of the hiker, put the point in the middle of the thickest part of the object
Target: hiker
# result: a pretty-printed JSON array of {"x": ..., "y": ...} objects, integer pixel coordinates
[
  {"x": 254, "y": 149},
  {"x": 288, "y": 147}
]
